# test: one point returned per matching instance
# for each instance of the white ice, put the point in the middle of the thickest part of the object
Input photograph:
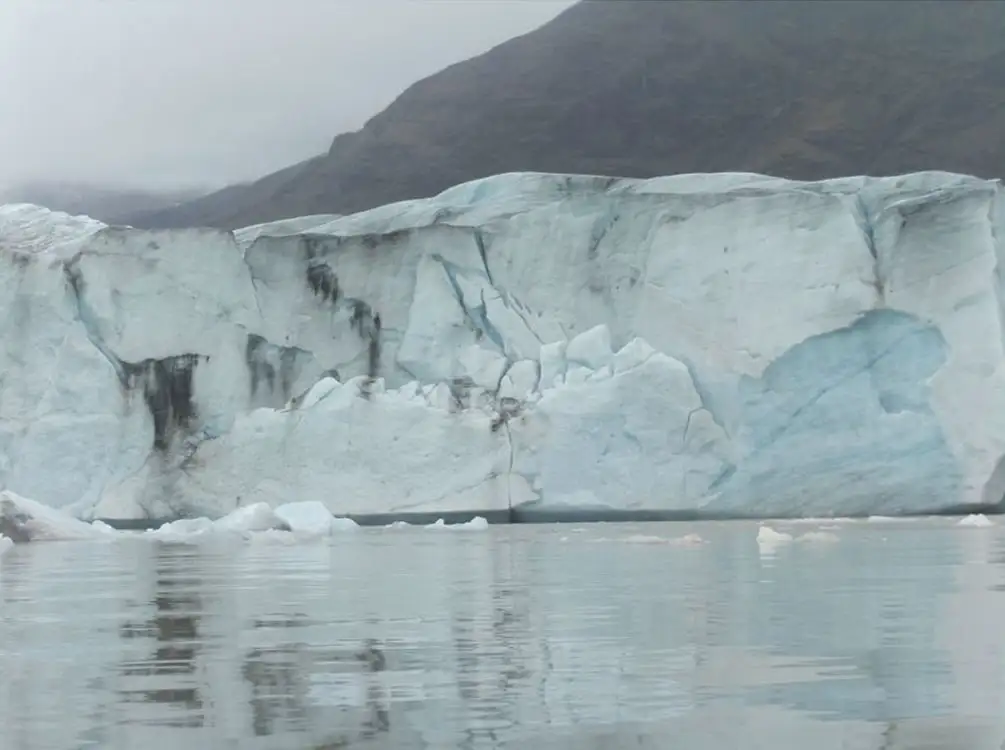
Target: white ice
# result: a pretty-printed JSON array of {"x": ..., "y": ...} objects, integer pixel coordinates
[
  {"x": 477, "y": 523},
  {"x": 292, "y": 522},
  {"x": 978, "y": 520},
  {"x": 312, "y": 517},
  {"x": 704, "y": 344},
  {"x": 768, "y": 538},
  {"x": 43, "y": 523}
]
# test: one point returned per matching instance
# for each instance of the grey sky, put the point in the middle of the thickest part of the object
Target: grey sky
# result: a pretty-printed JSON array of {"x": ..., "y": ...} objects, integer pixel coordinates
[{"x": 170, "y": 92}]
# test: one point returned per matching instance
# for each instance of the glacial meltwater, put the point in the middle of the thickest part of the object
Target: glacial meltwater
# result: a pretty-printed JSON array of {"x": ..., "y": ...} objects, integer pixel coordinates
[{"x": 825, "y": 635}]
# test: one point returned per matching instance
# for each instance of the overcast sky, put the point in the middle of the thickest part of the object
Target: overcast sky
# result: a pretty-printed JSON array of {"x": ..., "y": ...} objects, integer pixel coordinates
[{"x": 180, "y": 92}]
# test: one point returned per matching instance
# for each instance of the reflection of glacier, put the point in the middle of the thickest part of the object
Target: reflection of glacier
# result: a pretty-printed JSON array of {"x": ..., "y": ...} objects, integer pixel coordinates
[
  {"x": 870, "y": 609},
  {"x": 431, "y": 639},
  {"x": 720, "y": 344},
  {"x": 905, "y": 622},
  {"x": 977, "y": 608}
]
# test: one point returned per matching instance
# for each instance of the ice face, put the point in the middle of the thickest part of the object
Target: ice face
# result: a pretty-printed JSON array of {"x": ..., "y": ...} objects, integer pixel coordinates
[{"x": 528, "y": 345}]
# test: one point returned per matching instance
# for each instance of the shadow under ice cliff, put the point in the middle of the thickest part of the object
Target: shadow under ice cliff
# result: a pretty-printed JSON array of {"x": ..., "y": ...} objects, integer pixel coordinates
[{"x": 522, "y": 347}]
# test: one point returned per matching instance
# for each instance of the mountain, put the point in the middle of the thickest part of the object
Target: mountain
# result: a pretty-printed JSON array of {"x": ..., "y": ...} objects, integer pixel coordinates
[
  {"x": 804, "y": 90},
  {"x": 108, "y": 204}
]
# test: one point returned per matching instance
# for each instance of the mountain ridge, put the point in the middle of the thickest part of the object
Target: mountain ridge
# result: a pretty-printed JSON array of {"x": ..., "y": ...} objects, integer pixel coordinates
[{"x": 639, "y": 89}]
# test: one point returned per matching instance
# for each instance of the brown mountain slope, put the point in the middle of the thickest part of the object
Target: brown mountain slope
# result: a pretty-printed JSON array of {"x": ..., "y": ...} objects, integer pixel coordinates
[{"x": 796, "y": 89}]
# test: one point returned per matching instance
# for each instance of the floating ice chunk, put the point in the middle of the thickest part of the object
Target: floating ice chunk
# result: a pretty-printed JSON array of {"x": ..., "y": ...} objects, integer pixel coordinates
[
  {"x": 313, "y": 518},
  {"x": 309, "y": 516},
  {"x": 645, "y": 539},
  {"x": 768, "y": 534},
  {"x": 29, "y": 520},
  {"x": 278, "y": 536},
  {"x": 255, "y": 517},
  {"x": 688, "y": 540},
  {"x": 341, "y": 523},
  {"x": 475, "y": 523},
  {"x": 768, "y": 539},
  {"x": 5, "y": 544},
  {"x": 185, "y": 528},
  {"x": 976, "y": 520}
]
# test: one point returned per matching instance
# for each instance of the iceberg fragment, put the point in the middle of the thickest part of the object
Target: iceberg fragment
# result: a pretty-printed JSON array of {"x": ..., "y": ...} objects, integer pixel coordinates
[
  {"x": 25, "y": 520},
  {"x": 976, "y": 520},
  {"x": 312, "y": 517}
]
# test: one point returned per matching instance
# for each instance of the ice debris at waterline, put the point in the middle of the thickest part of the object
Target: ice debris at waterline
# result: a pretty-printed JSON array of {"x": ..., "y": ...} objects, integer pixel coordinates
[
  {"x": 25, "y": 520},
  {"x": 524, "y": 346},
  {"x": 770, "y": 541},
  {"x": 976, "y": 520}
]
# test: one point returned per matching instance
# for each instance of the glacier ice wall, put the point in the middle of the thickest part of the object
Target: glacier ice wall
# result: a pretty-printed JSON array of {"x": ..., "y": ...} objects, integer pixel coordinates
[{"x": 726, "y": 344}]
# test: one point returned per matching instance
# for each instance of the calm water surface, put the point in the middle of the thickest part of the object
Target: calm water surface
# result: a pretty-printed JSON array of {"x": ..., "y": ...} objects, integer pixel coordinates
[{"x": 892, "y": 636}]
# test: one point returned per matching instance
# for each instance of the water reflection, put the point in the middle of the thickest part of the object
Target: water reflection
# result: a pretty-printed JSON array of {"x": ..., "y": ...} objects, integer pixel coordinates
[
  {"x": 168, "y": 678},
  {"x": 520, "y": 637}
]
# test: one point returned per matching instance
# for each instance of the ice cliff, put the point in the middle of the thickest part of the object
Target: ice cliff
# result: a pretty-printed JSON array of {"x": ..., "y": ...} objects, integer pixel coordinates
[{"x": 543, "y": 345}]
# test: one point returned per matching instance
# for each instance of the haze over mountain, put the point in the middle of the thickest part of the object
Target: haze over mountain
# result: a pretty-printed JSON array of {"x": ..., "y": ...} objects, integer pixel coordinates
[
  {"x": 197, "y": 93},
  {"x": 805, "y": 90},
  {"x": 112, "y": 205}
]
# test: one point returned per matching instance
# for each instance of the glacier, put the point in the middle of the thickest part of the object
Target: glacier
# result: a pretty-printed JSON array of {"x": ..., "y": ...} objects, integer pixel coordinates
[{"x": 521, "y": 347}]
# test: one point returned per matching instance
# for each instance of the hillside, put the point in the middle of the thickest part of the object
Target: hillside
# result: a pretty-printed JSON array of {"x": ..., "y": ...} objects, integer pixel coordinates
[{"x": 804, "y": 90}]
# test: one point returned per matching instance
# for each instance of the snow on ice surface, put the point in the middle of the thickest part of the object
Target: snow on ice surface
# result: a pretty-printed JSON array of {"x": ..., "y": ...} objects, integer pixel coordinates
[
  {"x": 545, "y": 346},
  {"x": 32, "y": 229}
]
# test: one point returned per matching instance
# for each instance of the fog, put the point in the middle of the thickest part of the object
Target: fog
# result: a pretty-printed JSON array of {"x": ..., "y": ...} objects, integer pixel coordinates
[{"x": 173, "y": 93}]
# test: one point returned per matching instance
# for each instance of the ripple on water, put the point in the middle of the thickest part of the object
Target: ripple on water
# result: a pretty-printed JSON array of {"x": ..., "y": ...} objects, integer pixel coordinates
[{"x": 618, "y": 636}]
